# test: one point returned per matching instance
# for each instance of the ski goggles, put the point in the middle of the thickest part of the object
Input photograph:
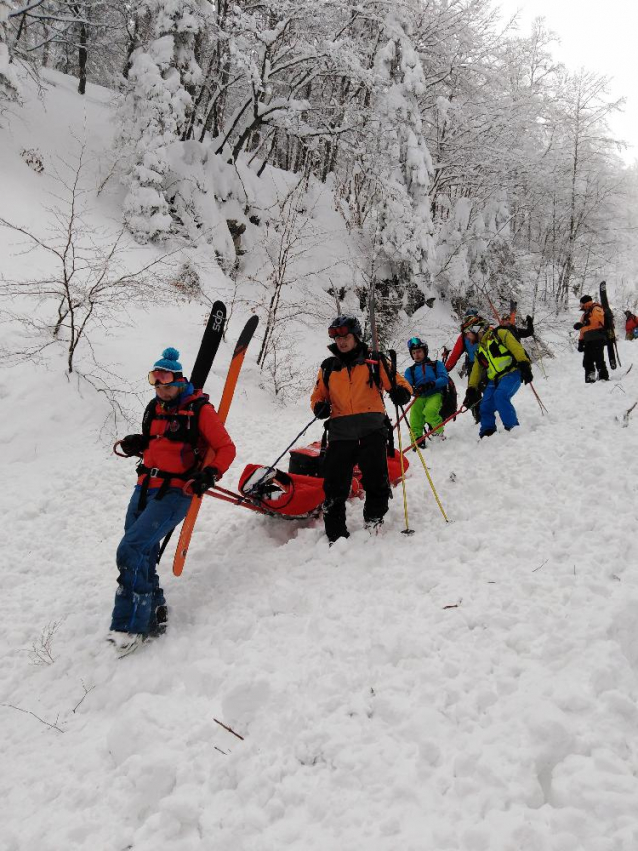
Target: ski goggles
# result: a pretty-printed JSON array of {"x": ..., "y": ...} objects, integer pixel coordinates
[
  {"x": 415, "y": 343},
  {"x": 339, "y": 331},
  {"x": 161, "y": 378}
]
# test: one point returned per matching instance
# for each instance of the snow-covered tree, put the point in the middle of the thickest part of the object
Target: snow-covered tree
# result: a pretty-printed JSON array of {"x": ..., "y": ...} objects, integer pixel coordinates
[
  {"x": 8, "y": 80},
  {"x": 156, "y": 111},
  {"x": 404, "y": 172}
]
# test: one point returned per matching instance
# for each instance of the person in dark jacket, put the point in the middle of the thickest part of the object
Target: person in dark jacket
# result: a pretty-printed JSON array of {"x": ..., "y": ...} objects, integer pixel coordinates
[
  {"x": 349, "y": 389},
  {"x": 592, "y": 339},
  {"x": 520, "y": 332},
  {"x": 179, "y": 428},
  {"x": 429, "y": 380}
]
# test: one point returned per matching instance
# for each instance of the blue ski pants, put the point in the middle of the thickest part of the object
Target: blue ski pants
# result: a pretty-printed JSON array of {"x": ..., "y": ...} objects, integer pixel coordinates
[
  {"x": 498, "y": 398},
  {"x": 139, "y": 593}
]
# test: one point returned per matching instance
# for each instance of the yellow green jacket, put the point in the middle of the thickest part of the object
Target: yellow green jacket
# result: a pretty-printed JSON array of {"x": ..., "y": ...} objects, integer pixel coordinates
[{"x": 498, "y": 353}]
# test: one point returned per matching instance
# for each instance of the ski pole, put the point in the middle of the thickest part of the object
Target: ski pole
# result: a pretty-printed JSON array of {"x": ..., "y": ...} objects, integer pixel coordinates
[
  {"x": 425, "y": 436},
  {"x": 277, "y": 460},
  {"x": 538, "y": 399},
  {"x": 407, "y": 530},
  {"x": 396, "y": 425},
  {"x": 393, "y": 379},
  {"x": 427, "y": 473}
]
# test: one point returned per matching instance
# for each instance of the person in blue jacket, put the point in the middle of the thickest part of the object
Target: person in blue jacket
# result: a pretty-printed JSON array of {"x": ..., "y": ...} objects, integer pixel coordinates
[{"x": 429, "y": 380}]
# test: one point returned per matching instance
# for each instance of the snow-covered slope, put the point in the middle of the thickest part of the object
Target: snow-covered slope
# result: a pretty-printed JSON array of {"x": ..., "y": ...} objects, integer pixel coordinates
[{"x": 470, "y": 688}]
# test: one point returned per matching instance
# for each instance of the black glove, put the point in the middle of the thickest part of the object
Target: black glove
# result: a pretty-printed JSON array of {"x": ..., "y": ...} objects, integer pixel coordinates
[
  {"x": 399, "y": 395},
  {"x": 581, "y": 346},
  {"x": 133, "y": 444},
  {"x": 578, "y": 326},
  {"x": 203, "y": 480},
  {"x": 529, "y": 320},
  {"x": 472, "y": 395},
  {"x": 525, "y": 368},
  {"x": 321, "y": 410},
  {"x": 427, "y": 387}
]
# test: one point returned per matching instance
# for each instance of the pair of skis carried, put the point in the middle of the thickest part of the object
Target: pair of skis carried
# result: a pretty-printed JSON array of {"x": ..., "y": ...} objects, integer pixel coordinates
[
  {"x": 203, "y": 362},
  {"x": 612, "y": 344}
]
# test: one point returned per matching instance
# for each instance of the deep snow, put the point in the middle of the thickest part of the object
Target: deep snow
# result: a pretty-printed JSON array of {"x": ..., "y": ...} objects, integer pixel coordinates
[{"x": 471, "y": 688}]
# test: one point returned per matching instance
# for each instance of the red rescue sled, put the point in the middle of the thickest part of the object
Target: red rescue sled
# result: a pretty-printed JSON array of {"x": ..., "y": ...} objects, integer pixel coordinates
[{"x": 298, "y": 493}]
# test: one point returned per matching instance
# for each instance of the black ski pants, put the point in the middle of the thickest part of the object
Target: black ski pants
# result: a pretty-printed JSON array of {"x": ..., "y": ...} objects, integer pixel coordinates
[
  {"x": 594, "y": 358},
  {"x": 341, "y": 456}
]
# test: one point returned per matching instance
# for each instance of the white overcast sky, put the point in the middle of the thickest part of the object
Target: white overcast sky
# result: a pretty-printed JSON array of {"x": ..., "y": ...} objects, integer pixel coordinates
[{"x": 602, "y": 36}]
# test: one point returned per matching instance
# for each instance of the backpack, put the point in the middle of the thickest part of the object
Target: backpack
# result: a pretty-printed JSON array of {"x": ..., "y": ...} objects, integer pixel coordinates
[
  {"x": 450, "y": 401},
  {"x": 183, "y": 425}
]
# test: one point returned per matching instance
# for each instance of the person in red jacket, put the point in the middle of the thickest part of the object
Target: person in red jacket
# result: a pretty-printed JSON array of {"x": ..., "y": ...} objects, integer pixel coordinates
[
  {"x": 631, "y": 325},
  {"x": 179, "y": 426}
]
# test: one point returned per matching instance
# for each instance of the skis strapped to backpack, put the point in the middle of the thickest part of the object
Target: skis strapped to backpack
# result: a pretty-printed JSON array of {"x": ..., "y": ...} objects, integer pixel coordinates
[
  {"x": 227, "y": 397},
  {"x": 612, "y": 345}
]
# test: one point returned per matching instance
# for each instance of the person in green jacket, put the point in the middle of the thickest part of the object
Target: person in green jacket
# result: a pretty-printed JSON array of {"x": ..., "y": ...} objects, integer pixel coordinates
[{"x": 503, "y": 361}]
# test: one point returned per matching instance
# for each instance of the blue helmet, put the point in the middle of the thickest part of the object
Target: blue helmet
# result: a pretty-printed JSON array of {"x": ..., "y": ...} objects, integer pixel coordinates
[{"x": 417, "y": 343}]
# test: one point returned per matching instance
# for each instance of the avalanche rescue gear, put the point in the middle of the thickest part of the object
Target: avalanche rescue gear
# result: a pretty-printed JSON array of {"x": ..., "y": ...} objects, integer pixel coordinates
[
  {"x": 255, "y": 484},
  {"x": 298, "y": 493}
]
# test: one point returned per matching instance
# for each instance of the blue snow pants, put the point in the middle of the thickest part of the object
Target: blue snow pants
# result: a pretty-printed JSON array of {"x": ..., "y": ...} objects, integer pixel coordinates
[
  {"x": 139, "y": 593},
  {"x": 498, "y": 397}
]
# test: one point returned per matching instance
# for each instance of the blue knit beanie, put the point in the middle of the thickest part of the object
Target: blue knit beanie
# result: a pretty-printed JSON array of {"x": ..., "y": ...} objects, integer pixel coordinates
[{"x": 169, "y": 361}]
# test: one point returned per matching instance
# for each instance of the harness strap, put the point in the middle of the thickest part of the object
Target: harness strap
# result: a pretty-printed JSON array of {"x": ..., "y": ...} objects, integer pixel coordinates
[{"x": 155, "y": 473}]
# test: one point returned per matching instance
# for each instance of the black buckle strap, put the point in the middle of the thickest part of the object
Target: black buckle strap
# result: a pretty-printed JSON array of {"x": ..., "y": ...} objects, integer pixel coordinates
[{"x": 155, "y": 473}]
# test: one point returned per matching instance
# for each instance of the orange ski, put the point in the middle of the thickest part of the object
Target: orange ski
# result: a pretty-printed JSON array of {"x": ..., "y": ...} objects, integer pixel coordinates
[{"x": 224, "y": 406}]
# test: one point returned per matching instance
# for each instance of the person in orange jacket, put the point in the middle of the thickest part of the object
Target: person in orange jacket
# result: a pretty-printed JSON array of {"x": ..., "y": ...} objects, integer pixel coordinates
[
  {"x": 179, "y": 425},
  {"x": 349, "y": 390},
  {"x": 592, "y": 339}
]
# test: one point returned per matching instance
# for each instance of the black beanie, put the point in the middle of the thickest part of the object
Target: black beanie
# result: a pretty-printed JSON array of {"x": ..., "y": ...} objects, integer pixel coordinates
[{"x": 585, "y": 298}]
